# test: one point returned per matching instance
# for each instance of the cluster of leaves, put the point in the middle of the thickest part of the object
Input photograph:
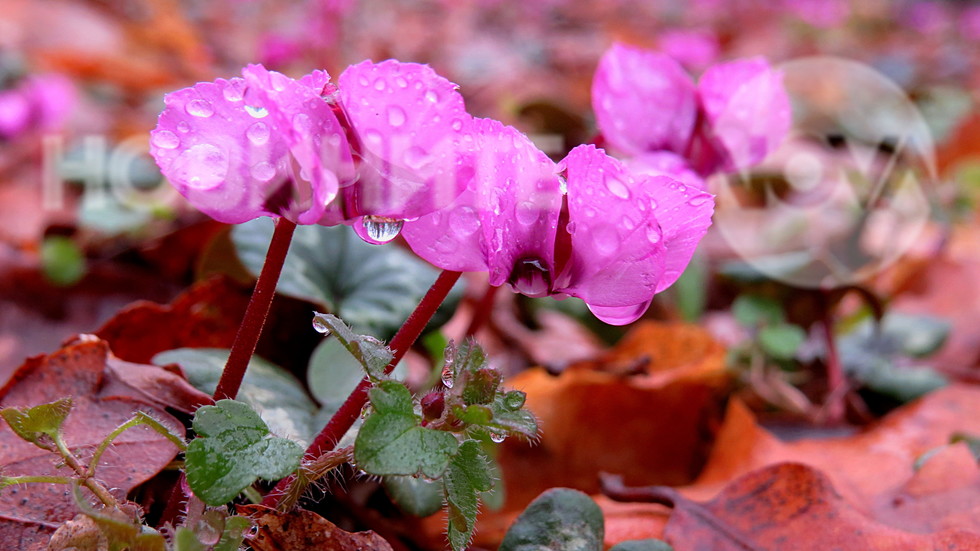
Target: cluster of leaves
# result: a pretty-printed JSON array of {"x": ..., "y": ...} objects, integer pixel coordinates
[{"x": 434, "y": 445}]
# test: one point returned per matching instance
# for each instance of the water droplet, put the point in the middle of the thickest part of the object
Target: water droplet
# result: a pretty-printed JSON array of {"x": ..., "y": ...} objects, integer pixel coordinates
[
  {"x": 464, "y": 221},
  {"x": 258, "y": 133},
  {"x": 497, "y": 437},
  {"x": 563, "y": 185},
  {"x": 653, "y": 204},
  {"x": 617, "y": 188},
  {"x": 698, "y": 200},
  {"x": 570, "y": 227},
  {"x": 303, "y": 124},
  {"x": 432, "y": 96},
  {"x": 199, "y": 108},
  {"x": 379, "y": 84},
  {"x": 654, "y": 234},
  {"x": 165, "y": 139},
  {"x": 628, "y": 223},
  {"x": 183, "y": 127},
  {"x": 373, "y": 137},
  {"x": 448, "y": 376},
  {"x": 605, "y": 239},
  {"x": 396, "y": 115},
  {"x": 363, "y": 81},
  {"x": 530, "y": 278},
  {"x": 401, "y": 82},
  {"x": 203, "y": 166},
  {"x": 263, "y": 171},
  {"x": 257, "y": 112},
  {"x": 416, "y": 157},
  {"x": 457, "y": 124},
  {"x": 234, "y": 90},
  {"x": 320, "y": 325},
  {"x": 380, "y": 228},
  {"x": 514, "y": 400},
  {"x": 527, "y": 213}
]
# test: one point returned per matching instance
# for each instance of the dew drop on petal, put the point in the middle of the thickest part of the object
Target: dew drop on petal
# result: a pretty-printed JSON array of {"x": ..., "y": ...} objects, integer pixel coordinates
[
  {"x": 698, "y": 200},
  {"x": 258, "y": 133},
  {"x": 653, "y": 204},
  {"x": 457, "y": 124},
  {"x": 203, "y": 166},
  {"x": 165, "y": 139},
  {"x": 527, "y": 213},
  {"x": 628, "y": 223},
  {"x": 401, "y": 82},
  {"x": 530, "y": 278},
  {"x": 654, "y": 235},
  {"x": 319, "y": 325},
  {"x": 373, "y": 137},
  {"x": 382, "y": 229},
  {"x": 256, "y": 112},
  {"x": 432, "y": 96},
  {"x": 464, "y": 221},
  {"x": 263, "y": 171},
  {"x": 303, "y": 124},
  {"x": 183, "y": 127},
  {"x": 234, "y": 90},
  {"x": 363, "y": 81},
  {"x": 396, "y": 115},
  {"x": 570, "y": 227},
  {"x": 379, "y": 84},
  {"x": 617, "y": 188},
  {"x": 199, "y": 108}
]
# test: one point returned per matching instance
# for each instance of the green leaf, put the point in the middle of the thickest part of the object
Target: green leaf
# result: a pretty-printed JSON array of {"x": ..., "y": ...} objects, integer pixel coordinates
[
  {"x": 62, "y": 261},
  {"x": 904, "y": 383},
  {"x": 642, "y": 545},
  {"x": 690, "y": 289},
  {"x": 416, "y": 496},
  {"x": 122, "y": 532},
  {"x": 232, "y": 450},
  {"x": 392, "y": 442},
  {"x": 513, "y": 421},
  {"x": 480, "y": 386},
  {"x": 917, "y": 336},
  {"x": 560, "y": 519},
  {"x": 373, "y": 288},
  {"x": 186, "y": 540},
  {"x": 755, "y": 311},
  {"x": 468, "y": 475},
  {"x": 40, "y": 424},
  {"x": 233, "y": 534},
  {"x": 272, "y": 391},
  {"x": 781, "y": 341},
  {"x": 371, "y": 353}
]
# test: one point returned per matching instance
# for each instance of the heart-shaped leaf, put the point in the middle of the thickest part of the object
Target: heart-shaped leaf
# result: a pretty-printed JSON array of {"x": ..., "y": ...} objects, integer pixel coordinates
[
  {"x": 560, "y": 519},
  {"x": 468, "y": 475},
  {"x": 392, "y": 442},
  {"x": 232, "y": 450},
  {"x": 38, "y": 425}
]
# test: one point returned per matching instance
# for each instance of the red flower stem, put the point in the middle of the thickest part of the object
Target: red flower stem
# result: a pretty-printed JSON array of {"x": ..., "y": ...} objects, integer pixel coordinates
[
  {"x": 482, "y": 311},
  {"x": 349, "y": 411},
  {"x": 836, "y": 385},
  {"x": 256, "y": 312}
]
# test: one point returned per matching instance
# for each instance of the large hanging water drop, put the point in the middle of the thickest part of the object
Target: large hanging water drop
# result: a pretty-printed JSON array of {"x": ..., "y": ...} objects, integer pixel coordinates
[
  {"x": 497, "y": 437},
  {"x": 530, "y": 278},
  {"x": 381, "y": 229},
  {"x": 448, "y": 376},
  {"x": 256, "y": 112}
]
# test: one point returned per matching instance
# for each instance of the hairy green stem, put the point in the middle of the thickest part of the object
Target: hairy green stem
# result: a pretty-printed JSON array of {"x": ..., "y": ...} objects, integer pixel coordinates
[{"x": 344, "y": 418}]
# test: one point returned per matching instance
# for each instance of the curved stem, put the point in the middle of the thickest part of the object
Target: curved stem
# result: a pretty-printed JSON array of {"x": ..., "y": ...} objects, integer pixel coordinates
[
  {"x": 349, "y": 411},
  {"x": 256, "y": 312}
]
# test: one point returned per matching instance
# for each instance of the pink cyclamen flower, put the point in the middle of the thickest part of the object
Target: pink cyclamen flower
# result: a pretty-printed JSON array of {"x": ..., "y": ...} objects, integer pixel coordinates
[
  {"x": 646, "y": 103},
  {"x": 268, "y": 145},
  {"x": 39, "y": 102},
  {"x": 597, "y": 233}
]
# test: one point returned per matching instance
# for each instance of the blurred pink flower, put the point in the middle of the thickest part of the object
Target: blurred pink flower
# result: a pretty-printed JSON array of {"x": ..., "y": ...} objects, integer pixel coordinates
[
  {"x": 646, "y": 103},
  {"x": 694, "y": 49},
  {"x": 597, "y": 233},
  {"x": 40, "y": 102},
  {"x": 377, "y": 150}
]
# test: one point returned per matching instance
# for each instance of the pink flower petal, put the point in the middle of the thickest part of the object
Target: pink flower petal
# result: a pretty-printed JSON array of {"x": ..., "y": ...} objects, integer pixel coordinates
[
  {"x": 747, "y": 110},
  {"x": 504, "y": 222},
  {"x": 643, "y": 100},
  {"x": 617, "y": 245},
  {"x": 409, "y": 122},
  {"x": 684, "y": 213},
  {"x": 619, "y": 315},
  {"x": 278, "y": 152}
]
